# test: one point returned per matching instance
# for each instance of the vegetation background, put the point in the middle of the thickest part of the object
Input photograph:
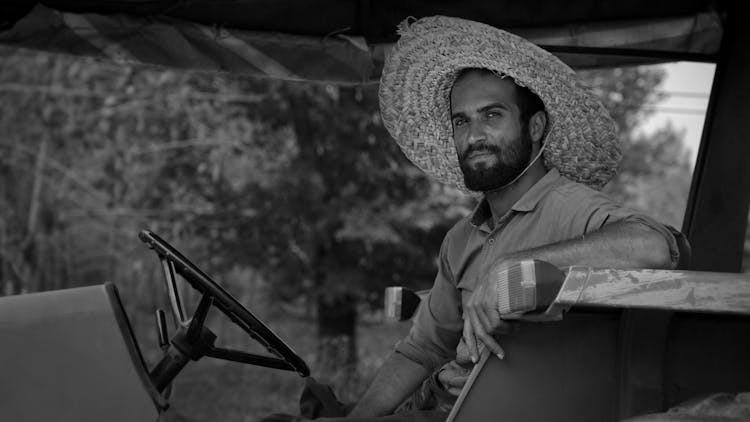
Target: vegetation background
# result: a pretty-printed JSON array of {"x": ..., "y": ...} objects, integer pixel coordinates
[{"x": 291, "y": 195}]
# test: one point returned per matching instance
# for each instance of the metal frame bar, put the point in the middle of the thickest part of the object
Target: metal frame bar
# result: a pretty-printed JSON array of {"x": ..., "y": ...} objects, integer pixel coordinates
[{"x": 720, "y": 190}]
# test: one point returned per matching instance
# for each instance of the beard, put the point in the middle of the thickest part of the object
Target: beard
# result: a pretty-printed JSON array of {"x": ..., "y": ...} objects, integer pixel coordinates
[{"x": 509, "y": 163}]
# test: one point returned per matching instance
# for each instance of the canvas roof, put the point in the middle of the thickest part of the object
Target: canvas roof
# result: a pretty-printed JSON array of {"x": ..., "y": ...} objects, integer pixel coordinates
[{"x": 346, "y": 41}]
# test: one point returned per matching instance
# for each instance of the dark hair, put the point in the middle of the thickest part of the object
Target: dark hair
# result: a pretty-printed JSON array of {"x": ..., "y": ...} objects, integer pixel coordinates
[{"x": 528, "y": 102}]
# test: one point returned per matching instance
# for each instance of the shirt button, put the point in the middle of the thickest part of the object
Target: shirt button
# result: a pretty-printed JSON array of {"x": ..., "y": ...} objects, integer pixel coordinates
[{"x": 491, "y": 241}]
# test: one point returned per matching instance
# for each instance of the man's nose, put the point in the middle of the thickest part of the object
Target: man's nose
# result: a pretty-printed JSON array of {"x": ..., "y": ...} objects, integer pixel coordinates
[{"x": 476, "y": 133}]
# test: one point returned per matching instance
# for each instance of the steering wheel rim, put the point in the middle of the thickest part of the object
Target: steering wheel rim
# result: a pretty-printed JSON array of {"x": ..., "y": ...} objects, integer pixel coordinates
[{"x": 227, "y": 304}]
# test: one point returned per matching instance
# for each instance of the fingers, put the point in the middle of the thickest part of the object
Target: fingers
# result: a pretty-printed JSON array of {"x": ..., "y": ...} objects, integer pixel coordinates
[
  {"x": 455, "y": 391},
  {"x": 455, "y": 380},
  {"x": 483, "y": 336},
  {"x": 453, "y": 375},
  {"x": 483, "y": 302},
  {"x": 481, "y": 321},
  {"x": 486, "y": 321},
  {"x": 470, "y": 340},
  {"x": 456, "y": 384},
  {"x": 490, "y": 343}
]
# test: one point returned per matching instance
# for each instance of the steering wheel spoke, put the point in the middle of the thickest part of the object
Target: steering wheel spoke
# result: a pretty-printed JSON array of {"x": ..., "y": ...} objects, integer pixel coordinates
[
  {"x": 250, "y": 358},
  {"x": 199, "y": 318}
]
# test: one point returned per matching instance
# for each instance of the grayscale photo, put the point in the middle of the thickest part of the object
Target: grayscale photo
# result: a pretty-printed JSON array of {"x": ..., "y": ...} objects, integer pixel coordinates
[{"x": 365, "y": 211}]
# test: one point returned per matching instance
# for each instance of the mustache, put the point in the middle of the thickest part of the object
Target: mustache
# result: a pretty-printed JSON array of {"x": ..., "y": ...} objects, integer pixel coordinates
[{"x": 479, "y": 148}]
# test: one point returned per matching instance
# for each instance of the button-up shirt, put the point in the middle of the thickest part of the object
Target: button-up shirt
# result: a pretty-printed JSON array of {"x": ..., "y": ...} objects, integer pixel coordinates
[{"x": 554, "y": 209}]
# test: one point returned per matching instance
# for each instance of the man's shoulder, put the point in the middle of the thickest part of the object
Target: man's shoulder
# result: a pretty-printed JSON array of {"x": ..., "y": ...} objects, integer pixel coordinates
[{"x": 568, "y": 191}]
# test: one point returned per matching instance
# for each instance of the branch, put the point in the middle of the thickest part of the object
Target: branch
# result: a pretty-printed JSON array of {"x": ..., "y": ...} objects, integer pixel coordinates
[
  {"x": 35, "y": 193},
  {"x": 66, "y": 171},
  {"x": 181, "y": 144},
  {"x": 13, "y": 266}
]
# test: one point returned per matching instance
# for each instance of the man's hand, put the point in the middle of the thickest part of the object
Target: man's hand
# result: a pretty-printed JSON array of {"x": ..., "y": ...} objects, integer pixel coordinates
[
  {"x": 453, "y": 377},
  {"x": 482, "y": 320},
  {"x": 510, "y": 289}
]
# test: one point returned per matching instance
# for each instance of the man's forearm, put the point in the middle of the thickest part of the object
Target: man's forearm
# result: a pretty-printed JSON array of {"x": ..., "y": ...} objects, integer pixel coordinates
[
  {"x": 618, "y": 245},
  {"x": 396, "y": 379}
]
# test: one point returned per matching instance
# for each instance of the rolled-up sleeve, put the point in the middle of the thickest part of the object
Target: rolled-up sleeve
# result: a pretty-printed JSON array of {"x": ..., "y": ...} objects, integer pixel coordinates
[
  {"x": 663, "y": 230},
  {"x": 437, "y": 326},
  {"x": 596, "y": 211}
]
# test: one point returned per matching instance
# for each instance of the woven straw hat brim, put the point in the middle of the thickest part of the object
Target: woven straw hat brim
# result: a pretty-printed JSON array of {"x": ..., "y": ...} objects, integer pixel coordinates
[{"x": 419, "y": 73}]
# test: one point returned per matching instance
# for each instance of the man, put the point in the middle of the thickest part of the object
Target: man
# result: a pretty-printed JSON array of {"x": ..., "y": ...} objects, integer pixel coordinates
[{"x": 491, "y": 113}]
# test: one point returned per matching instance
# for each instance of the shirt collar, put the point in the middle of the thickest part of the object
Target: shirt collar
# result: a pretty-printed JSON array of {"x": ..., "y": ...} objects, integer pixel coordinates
[{"x": 527, "y": 203}]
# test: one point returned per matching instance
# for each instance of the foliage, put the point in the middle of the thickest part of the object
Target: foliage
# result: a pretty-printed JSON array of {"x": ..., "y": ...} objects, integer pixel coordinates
[{"x": 655, "y": 173}]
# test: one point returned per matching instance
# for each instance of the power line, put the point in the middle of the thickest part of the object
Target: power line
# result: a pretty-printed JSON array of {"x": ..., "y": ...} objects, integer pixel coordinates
[
  {"x": 684, "y": 94},
  {"x": 676, "y": 110}
]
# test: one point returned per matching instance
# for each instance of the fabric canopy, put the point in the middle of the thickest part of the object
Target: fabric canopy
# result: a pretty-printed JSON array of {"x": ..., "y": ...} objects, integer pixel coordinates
[{"x": 344, "y": 57}]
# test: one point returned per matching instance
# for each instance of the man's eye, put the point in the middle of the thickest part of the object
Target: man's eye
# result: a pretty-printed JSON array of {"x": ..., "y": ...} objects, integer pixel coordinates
[
  {"x": 458, "y": 122},
  {"x": 491, "y": 114}
]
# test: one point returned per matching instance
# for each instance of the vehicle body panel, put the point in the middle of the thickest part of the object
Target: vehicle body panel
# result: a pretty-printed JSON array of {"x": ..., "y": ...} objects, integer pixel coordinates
[{"x": 70, "y": 355}]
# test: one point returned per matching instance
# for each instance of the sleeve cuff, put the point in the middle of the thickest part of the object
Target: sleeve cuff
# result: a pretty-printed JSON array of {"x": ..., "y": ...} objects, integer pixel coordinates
[
  {"x": 429, "y": 361},
  {"x": 669, "y": 234}
]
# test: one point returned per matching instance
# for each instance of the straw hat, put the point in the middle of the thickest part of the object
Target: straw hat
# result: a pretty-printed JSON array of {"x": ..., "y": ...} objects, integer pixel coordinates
[{"x": 418, "y": 75}]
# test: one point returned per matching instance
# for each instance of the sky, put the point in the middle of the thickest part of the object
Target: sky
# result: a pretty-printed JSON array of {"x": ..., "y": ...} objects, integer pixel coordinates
[{"x": 688, "y": 85}]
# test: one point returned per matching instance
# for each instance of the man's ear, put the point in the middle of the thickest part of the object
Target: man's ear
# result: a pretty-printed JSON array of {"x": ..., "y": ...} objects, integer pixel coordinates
[{"x": 537, "y": 125}]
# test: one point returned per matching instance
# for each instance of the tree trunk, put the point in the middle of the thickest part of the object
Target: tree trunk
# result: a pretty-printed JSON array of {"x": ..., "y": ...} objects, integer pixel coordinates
[{"x": 337, "y": 348}]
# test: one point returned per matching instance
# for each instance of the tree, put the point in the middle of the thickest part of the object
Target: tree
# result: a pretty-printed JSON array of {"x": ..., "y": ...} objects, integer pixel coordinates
[{"x": 654, "y": 175}]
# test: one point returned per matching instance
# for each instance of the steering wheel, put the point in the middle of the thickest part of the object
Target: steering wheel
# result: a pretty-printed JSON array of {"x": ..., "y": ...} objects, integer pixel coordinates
[{"x": 173, "y": 261}]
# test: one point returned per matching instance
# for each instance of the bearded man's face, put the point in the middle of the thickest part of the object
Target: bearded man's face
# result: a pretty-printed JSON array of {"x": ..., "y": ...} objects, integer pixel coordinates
[{"x": 492, "y": 142}]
